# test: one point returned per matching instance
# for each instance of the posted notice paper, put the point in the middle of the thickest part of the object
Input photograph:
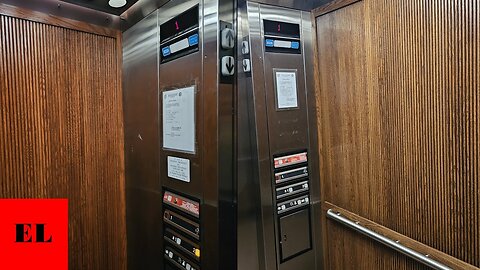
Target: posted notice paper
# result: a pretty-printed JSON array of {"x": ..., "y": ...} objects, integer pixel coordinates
[
  {"x": 178, "y": 168},
  {"x": 179, "y": 119},
  {"x": 286, "y": 84}
]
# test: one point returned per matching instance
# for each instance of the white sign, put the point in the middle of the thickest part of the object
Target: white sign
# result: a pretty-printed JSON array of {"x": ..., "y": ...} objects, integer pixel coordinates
[
  {"x": 178, "y": 168},
  {"x": 179, "y": 119},
  {"x": 286, "y": 84}
]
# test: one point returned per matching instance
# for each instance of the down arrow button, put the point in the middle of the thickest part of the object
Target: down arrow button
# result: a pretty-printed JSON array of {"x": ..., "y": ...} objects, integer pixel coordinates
[{"x": 228, "y": 66}]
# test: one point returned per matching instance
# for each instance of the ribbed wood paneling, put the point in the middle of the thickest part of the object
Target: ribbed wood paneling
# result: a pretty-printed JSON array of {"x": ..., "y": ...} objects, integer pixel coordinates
[
  {"x": 61, "y": 133},
  {"x": 399, "y": 111}
]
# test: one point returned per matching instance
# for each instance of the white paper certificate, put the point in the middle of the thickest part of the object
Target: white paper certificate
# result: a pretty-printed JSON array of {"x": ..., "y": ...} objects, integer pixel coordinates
[
  {"x": 179, "y": 119},
  {"x": 286, "y": 87},
  {"x": 178, "y": 168}
]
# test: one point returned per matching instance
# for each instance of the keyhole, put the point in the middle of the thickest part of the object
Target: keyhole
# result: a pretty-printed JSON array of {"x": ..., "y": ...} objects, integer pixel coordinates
[{"x": 284, "y": 238}]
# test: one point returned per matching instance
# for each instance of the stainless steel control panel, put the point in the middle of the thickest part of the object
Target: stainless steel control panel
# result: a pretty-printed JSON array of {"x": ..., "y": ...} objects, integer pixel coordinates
[
  {"x": 179, "y": 138},
  {"x": 278, "y": 165}
]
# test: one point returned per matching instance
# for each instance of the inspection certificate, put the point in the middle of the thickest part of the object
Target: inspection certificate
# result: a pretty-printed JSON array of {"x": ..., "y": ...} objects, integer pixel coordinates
[
  {"x": 286, "y": 87},
  {"x": 179, "y": 119}
]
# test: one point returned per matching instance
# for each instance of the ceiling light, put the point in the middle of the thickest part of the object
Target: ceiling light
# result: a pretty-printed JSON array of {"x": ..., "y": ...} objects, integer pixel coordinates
[{"x": 117, "y": 3}]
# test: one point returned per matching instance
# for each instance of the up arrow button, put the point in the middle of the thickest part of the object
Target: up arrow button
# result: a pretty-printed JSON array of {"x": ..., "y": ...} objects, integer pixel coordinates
[{"x": 228, "y": 38}]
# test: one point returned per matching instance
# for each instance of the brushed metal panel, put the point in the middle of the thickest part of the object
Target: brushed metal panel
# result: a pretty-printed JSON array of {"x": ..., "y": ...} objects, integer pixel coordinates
[
  {"x": 182, "y": 72},
  {"x": 144, "y": 233},
  {"x": 259, "y": 118},
  {"x": 273, "y": 132},
  {"x": 248, "y": 190},
  {"x": 140, "y": 90},
  {"x": 140, "y": 71},
  {"x": 305, "y": 5},
  {"x": 212, "y": 163},
  {"x": 288, "y": 129}
]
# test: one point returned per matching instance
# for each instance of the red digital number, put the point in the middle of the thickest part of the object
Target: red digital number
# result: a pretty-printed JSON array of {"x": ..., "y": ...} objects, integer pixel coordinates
[{"x": 176, "y": 25}]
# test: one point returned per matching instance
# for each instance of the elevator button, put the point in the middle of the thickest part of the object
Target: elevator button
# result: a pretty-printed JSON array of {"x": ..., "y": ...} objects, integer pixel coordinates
[
  {"x": 182, "y": 203},
  {"x": 179, "y": 260},
  {"x": 228, "y": 38},
  {"x": 245, "y": 47},
  {"x": 246, "y": 65},
  {"x": 181, "y": 242},
  {"x": 228, "y": 65},
  {"x": 290, "y": 160},
  {"x": 292, "y": 204},
  {"x": 269, "y": 42},
  {"x": 295, "y": 45},
  {"x": 290, "y": 175},
  {"x": 166, "y": 51},
  {"x": 181, "y": 223},
  {"x": 193, "y": 40}
]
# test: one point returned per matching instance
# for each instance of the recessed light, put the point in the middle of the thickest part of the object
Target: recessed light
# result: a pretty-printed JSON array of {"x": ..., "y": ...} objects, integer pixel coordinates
[{"x": 117, "y": 3}]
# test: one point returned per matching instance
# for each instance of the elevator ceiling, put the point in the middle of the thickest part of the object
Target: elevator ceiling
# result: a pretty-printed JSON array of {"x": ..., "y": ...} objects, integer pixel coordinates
[{"x": 103, "y": 5}]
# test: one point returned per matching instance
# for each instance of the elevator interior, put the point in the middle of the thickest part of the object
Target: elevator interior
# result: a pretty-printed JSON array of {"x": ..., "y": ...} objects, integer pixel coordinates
[
  {"x": 229, "y": 150},
  {"x": 184, "y": 132},
  {"x": 222, "y": 152}
]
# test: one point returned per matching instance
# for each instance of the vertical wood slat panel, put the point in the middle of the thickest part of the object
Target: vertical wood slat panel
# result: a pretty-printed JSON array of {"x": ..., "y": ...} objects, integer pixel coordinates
[
  {"x": 399, "y": 121},
  {"x": 61, "y": 132}
]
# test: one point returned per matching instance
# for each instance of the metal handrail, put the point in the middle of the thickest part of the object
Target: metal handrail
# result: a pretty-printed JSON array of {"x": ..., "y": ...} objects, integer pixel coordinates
[{"x": 424, "y": 259}]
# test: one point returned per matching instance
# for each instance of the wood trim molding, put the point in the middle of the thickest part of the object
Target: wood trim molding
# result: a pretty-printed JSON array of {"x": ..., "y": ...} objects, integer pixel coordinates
[
  {"x": 36, "y": 16},
  {"x": 406, "y": 241},
  {"x": 332, "y": 6}
]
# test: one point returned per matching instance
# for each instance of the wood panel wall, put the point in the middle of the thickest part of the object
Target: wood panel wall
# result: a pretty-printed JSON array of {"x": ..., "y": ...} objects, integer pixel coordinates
[
  {"x": 61, "y": 132},
  {"x": 398, "y": 113}
]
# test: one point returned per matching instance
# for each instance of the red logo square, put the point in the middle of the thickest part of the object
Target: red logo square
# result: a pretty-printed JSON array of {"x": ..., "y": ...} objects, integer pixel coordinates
[{"x": 34, "y": 234}]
